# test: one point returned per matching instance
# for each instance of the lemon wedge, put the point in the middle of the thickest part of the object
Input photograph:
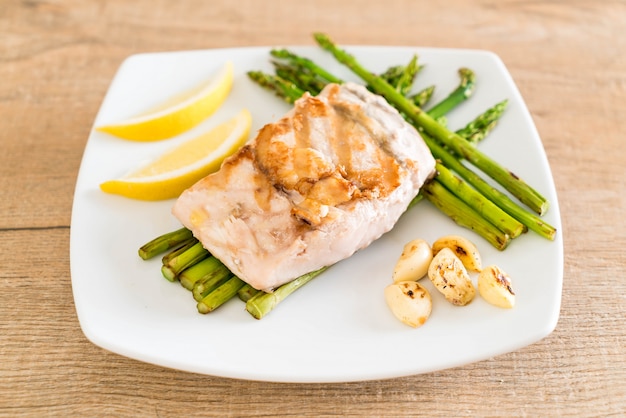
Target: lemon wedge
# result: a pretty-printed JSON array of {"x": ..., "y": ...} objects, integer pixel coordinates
[
  {"x": 178, "y": 115},
  {"x": 169, "y": 175}
]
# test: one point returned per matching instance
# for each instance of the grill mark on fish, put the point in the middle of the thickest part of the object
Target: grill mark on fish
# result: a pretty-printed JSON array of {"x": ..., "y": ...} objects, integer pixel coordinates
[{"x": 386, "y": 167}]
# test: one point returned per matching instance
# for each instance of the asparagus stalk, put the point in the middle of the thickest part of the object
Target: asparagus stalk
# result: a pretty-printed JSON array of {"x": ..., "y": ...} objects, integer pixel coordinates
[
  {"x": 458, "y": 95},
  {"x": 515, "y": 185},
  {"x": 306, "y": 63},
  {"x": 164, "y": 243},
  {"x": 210, "y": 282},
  {"x": 222, "y": 294},
  {"x": 284, "y": 89},
  {"x": 415, "y": 200},
  {"x": 393, "y": 73},
  {"x": 399, "y": 75},
  {"x": 463, "y": 214},
  {"x": 246, "y": 292},
  {"x": 422, "y": 97},
  {"x": 199, "y": 271},
  {"x": 402, "y": 76},
  {"x": 187, "y": 258},
  {"x": 179, "y": 250},
  {"x": 532, "y": 221},
  {"x": 300, "y": 77},
  {"x": 262, "y": 303},
  {"x": 483, "y": 124},
  {"x": 477, "y": 201}
]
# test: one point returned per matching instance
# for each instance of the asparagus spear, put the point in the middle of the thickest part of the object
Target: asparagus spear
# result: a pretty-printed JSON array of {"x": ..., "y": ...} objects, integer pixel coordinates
[
  {"x": 164, "y": 242},
  {"x": 398, "y": 76},
  {"x": 479, "y": 128},
  {"x": 187, "y": 258},
  {"x": 393, "y": 73},
  {"x": 422, "y": 97},
  {"x": 222, "y": 294},
  {"x": 402, "y": 76},
  {"x": 463, "y": 214},
  {"x": 477, "y": 201},
  {"x": 300, "y": 77},
  {"x": 282, "y": 88},
  {"x": 246, "y": 292},
  {"x": 306, "y": 63},
  {"x": 415, "y": 200},
  {"x": 210, "y": 282},
  {"x": 458, "y": 95},
  {"x": 516, "y": 186},
  {"x": 199, "y": 272},
  {"x": 262, "y": 303},
  {"x": 532, "y": 221},
  {"x": 179, "y": 250}
]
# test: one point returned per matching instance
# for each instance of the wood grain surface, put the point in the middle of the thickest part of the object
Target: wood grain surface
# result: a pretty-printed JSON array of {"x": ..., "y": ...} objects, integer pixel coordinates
[{"x": 57, "y": 59}]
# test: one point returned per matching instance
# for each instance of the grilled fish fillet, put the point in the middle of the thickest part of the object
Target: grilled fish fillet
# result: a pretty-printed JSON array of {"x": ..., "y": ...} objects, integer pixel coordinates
[{"x": 326, "y": 180}]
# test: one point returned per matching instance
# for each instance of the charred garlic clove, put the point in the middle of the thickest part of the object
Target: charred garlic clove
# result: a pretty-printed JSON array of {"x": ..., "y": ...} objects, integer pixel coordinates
[
  {"x": 413, "y": 262},
  {"x": 450, "y": 277},
  {"x": 494, "y": 285},
  {"x": 463, "y": 248},
  {"x": 410, "y": 302}
]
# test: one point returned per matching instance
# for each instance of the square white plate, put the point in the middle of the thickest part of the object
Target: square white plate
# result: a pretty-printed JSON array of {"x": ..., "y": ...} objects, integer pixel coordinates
[{"x": 338, "y": 327}]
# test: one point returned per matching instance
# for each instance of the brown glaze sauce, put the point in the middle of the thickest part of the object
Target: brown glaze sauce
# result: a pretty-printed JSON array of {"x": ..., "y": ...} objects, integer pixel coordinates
[{"x": 351, "y": 164}]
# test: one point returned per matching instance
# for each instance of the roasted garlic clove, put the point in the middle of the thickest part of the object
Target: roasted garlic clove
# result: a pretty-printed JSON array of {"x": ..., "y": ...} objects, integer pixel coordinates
[
  {"x": 410, "y": 302},
  {"x": 464, "y": 249},
  {"x": 494, "y": 285},
  {"x": 413, "y": 262},
  {"x": 450, "y": 277}
]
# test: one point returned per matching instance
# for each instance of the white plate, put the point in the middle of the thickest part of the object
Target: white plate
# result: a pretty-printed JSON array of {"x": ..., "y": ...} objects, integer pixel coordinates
[{"x": 338, "y": 327}]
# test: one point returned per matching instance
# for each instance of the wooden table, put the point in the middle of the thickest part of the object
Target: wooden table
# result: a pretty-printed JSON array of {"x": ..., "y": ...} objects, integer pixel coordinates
[{"x": 57, "y": 59}]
